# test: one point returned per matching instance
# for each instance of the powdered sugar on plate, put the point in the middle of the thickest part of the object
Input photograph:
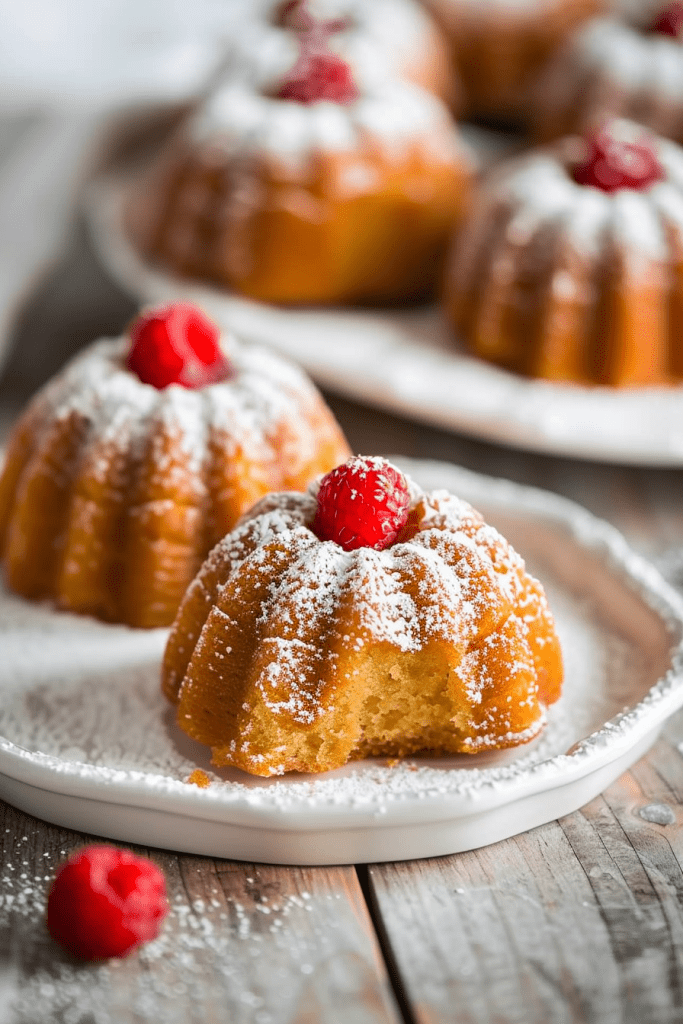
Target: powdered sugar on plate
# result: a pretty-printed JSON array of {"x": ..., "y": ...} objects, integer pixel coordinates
[{"x": 89, "y": 741}]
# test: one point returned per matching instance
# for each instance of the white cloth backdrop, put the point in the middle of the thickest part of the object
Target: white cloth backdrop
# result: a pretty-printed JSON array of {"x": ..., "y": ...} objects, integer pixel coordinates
[{"x": 66, "y": 68}]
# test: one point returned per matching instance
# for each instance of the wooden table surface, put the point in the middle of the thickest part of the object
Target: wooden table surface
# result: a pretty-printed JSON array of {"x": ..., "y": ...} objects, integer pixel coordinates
[{"x": 580, "y": 920}]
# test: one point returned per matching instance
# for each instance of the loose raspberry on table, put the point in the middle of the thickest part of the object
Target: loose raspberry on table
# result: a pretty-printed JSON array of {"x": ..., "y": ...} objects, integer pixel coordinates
[
  {"x": 669, "y": 22},
  {"x": 176, "y": 344},
  {"x": 105, "y": 901},
  {"x": 363, "y": 503},
  {"x": 621, "y": 155}
]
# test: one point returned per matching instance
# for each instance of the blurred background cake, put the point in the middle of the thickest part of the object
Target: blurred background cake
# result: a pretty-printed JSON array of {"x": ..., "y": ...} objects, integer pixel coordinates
[
  {"x": 400, "y": 33},
  {"x": 318, "y": 181},
  {"x": 134, "y": 461},
  {"x": 570, "y": 266},
  {"x": 498, "y": 47}
]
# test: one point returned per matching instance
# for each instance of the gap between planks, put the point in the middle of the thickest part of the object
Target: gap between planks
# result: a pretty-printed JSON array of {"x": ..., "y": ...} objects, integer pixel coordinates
[{"x": 243, "y": 944}]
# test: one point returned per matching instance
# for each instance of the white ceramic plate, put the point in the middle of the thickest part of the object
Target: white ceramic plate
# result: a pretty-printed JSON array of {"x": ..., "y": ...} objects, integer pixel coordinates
[
  {"x": 406, "y": 361},
  {"x": 88, "y": 742}
]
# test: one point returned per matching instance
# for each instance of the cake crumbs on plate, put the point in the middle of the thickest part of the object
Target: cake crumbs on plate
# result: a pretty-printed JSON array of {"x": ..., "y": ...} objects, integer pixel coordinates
[{"x": 198, "y": 778}]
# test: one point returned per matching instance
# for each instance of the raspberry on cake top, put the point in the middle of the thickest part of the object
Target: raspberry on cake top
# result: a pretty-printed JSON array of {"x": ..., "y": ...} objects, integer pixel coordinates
[
  {"x": 362, "y": 617},
  {"x": 399, "y": 34},
  {"x": 134, "y": 460},
  {"x": 315, "y": 184},
  {"x": 569, "y": 266}
]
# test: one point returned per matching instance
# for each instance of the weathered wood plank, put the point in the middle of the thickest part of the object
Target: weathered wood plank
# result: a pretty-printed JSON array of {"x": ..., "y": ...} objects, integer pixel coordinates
[
  {"x": 580, "y": 920},
  {"x": 243, "y": 944}
]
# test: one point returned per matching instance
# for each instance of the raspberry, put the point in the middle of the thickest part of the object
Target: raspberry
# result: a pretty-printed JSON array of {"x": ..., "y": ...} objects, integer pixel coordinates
[
  {"x": 362, "y": 504},
  {"x": 319, "y": 76},
  {"x": 104, "y": 902},
  {"x": 176, "y": 344},
  {"x": 620, "y": 155},
  {"x": 670, "y": 21}
]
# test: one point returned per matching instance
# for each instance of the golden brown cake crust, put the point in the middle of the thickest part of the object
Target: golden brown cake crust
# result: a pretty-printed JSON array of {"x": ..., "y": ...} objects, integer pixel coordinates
[
  {"x": 611, "y": 67},
  {"x": 499, "y": 46},
  {"x": 317, "y": 203},
  {"x": 554, "y": 279},
  {"x": 290, "y": 654},
  {"x": 113, "y": 492}
]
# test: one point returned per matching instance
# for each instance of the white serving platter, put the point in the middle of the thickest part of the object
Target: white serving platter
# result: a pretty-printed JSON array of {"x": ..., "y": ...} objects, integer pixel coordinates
[
  {"x": 406, "y": 361},
  {"x": 88, "y": 742}
]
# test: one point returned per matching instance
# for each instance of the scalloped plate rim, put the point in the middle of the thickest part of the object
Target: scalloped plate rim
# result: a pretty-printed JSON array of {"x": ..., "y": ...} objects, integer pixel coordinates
[{"x": 438, "y": 814}]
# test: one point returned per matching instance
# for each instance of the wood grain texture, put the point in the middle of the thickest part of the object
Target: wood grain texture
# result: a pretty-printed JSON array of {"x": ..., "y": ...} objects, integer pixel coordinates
[
  {"x": 243, "y": 944},
  {"x": 579, "y": 920}
]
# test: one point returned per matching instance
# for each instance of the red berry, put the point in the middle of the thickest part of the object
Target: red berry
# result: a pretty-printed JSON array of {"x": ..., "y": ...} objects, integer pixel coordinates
[
  {"x": 362, "y": 504},
  {"x": 669, "y": 22},
  {"x": 104, "y": 902},
  {"x": 319, "y": 76},
  {"x": 620, "y": 155},
  {"x": 176, "y": 344}
]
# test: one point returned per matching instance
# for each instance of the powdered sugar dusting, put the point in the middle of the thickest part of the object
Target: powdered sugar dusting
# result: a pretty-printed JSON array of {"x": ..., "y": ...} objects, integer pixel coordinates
[
  {"x": 468, "y": 581},
  {"x": 89, "y": 695},
  {"x": 645, "y": 64},
  {"x": 241, "y": 119},
  {"x": 263, "y": 390},
  {"x": 409, "y": 362},
  {"x": 393, "y": 32},
  {"x": 83, "y": 702},
  {"x": 225, "y": 948},
  {"x": 542, "y": 192}
]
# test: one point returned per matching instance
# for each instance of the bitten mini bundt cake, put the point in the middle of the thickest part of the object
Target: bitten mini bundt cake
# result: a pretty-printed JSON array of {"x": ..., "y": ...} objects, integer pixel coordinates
[
  {"x": 498, "y": 46},
  {"x": 361, "y": 618},
  {"x": 127, "y": 468},
  {"x": 310, "y": 187},
  {"x": 610, "y": 68},
  {"x": 571, "y": 264},
  {"x": 401, "y": 33}
]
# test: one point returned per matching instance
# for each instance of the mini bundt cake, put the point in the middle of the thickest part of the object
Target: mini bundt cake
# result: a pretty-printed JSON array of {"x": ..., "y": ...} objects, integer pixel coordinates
[
  {"x": 401, "y": 33},
  {"x": 498, "y": 47},
  {"x": 307, "y": 188},
  {"x": 571, "y": 265},
  {"x": 363, "y": 617},
  {"x": 611, "y": 68},
  {"x": 127, "y": 468}
]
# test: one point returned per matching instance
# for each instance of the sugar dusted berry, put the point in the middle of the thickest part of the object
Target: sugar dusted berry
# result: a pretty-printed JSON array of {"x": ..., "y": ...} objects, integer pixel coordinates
[
  {"x": 104, "y": 902},
  {"x": 176, "y": 344},
  {"x": 363, "y": 503},
  {"x": 317, "y": 77},
  {"x": 319, "y": 74},
  {"x": 620, "y": 155},
  {"x": 669, "y": 22}
]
